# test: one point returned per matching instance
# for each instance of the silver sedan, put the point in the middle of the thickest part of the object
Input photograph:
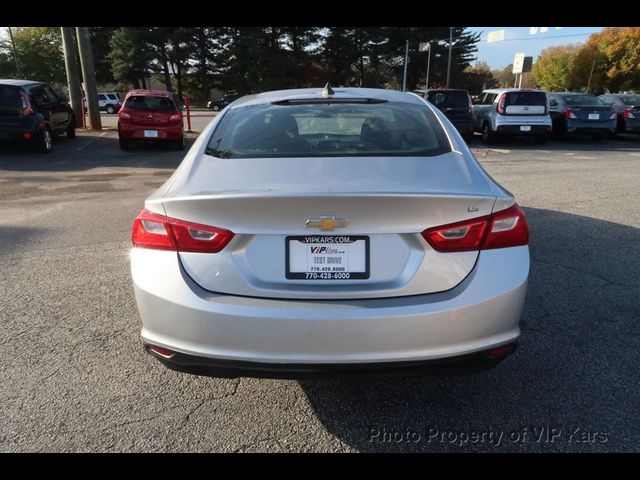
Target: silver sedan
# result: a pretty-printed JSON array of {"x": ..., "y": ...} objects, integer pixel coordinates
[{"x": 324, "y": 232}]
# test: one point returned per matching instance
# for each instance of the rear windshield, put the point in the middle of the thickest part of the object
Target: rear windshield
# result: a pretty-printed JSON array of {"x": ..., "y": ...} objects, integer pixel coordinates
[
  {"x": 580, "y": 100},
  {"x": 144, "y": 102},
  {"x": 321, "y": 130},
  {"x": 9, "y": 98},
  {"x": 526, "y": 98},
  {"x": 455, "y": 99},
  {"x": 630, "y": 100}
]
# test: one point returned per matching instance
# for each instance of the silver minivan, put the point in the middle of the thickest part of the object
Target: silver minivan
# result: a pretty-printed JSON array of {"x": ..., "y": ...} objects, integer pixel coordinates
[{"x": 512, "y": 111}]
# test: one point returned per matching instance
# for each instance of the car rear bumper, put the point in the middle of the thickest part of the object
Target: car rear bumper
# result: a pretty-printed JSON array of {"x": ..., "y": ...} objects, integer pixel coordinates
[
  {"x": 17, "y": 130},
  {"x": 465, "y": 128},
  {"x": 137, "y": 133},
  {"x": 517, "y": 129},
  {"x": 579, "y": 126},
  {"x": 481, "y": 313},
  {"x": 632, "y": 125},
  {"x": 462, "y": 364}
]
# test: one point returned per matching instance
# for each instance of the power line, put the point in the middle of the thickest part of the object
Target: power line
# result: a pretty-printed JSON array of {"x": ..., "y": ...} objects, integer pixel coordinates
[{"x": 538, "y": 38}]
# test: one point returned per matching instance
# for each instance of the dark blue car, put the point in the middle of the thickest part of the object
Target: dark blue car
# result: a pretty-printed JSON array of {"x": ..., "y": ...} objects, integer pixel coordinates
[{"x": 581, "y": 113}]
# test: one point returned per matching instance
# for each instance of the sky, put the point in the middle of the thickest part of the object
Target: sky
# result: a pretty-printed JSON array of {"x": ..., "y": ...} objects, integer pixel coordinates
[{"x": 520, "y": 40}]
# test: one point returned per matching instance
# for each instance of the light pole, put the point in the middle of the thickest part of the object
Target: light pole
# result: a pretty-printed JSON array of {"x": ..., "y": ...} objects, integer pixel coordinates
[
  {"x": 422, "y": 47},
  {"x": 449, "y": 62},
  {"x": 406, "y": 61}
]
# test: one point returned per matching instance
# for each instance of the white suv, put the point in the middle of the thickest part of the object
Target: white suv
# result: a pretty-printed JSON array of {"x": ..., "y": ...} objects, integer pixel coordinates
[
  {"x": 109, "y": 101},
  {"x": 512, "y": 111}
]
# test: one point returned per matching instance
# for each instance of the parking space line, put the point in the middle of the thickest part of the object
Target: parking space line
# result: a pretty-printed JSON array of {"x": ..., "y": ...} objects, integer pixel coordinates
[{"x": 90, "y": 142}]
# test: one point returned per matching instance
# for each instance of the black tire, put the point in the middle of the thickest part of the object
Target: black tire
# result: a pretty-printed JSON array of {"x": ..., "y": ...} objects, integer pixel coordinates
[
  {"x": 540, "y": 139},
  {"x": 124, "y": 144},
  {"x": 179, "y": 144},
  {"x": 44, "y": 141},
  {"x": 620, "y": 124},
  {"x": 488, "y": 136},
  {"x": 110, "y": 109},
  {"x": 71, "y": 128}
]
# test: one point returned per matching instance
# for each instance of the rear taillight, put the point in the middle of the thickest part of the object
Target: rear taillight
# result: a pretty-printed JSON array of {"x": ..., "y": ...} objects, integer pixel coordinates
[
  {"x": 507, "y": 228},
  {"x": 176, "y": 118},
  {"x": 568, "y": 113},
  {"x": 152, "y": 230},
  {"x": 613, "y": 116},
  {"x": 124, "y": 115},
  {"x": 628, "y": 113},
  {"x": 25, "y": 105},
  {"x": 501, "y": 102}
]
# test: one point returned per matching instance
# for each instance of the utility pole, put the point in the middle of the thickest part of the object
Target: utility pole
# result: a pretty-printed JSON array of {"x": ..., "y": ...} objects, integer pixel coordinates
[
  {"x": 15, "y": 51},
  {"x": 406, "y": 61},
  {"x": 89, "y": 76},
  {"x": 73, "y": 74},
  {"x": 449, "y": 62},
  {"x": 426, "y": 87},
  {"x": 593, "y": 65}
]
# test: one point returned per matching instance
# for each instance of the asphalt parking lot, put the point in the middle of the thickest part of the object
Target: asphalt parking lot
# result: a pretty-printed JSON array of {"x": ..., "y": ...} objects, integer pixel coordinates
[{"x": 75, "y": 378}]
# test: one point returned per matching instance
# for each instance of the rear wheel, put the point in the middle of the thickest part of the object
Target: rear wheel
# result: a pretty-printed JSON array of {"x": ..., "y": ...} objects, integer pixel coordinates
[
  {"x": 124, "y": 144},
  {"x": 111, "y": 109},
  {"x": 44, "y": 141},
  {"x": 487, "y": 135},
  {"x": 179, "y": 144}
]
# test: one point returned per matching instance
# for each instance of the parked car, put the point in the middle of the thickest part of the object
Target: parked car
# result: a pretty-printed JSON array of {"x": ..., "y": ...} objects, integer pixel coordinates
[
  {"x": 456, "y": 105},
  {"x": 627, "y": 106},
  {"x": 110, "y": 102},
  {"x": 222, "y": 102},
  {"x": 32, "y": 112},
  {"x": 512, "y": 111},
  {"x": 329, "y": 231},
  {"x": 150, "y": 116},
  {"x": 581, "y": 113}
]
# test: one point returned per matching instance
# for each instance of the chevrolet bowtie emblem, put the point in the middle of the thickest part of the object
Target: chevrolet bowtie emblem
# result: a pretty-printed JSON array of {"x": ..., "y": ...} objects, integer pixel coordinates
[{"x": 326, "y": 223}]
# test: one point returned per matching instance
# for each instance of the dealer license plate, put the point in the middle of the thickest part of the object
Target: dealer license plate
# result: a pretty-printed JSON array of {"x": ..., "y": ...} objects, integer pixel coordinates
[{"x": 325, "y": 257}]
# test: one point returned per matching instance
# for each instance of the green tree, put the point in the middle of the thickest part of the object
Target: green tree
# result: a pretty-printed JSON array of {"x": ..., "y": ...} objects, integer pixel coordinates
[
  {"x": 553, "y": 67},
  {"x": 477, "y": 78},
  {"x": 504, "y": 78},
  {"x": 130, "y": 56},
  {"x": 101, "y": 48},
  {"x": 462, "y": 53},
  {"x": 39, "y": 51}
]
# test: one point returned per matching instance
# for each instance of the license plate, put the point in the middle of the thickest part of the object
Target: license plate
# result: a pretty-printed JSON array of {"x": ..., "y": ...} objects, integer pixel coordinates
[
  {"x": 525, "y": 128},
  {"x": 324, "y": 257},
  {"x": 594, "y": 116},
  {"x": 151, "y": 134}
]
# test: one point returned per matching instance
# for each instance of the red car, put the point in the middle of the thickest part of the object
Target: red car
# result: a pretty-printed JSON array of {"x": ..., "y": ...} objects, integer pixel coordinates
[{"x": 150, "y": 116}]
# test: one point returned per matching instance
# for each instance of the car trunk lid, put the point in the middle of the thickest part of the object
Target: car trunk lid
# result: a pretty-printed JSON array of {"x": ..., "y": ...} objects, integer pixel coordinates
[{"x": 387, "y": 207}]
